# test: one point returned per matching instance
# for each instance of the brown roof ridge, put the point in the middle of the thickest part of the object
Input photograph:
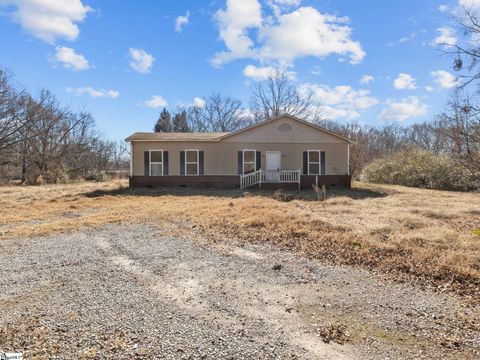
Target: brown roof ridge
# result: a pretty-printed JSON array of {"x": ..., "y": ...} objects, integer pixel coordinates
[{"x": 175, "y": 136}]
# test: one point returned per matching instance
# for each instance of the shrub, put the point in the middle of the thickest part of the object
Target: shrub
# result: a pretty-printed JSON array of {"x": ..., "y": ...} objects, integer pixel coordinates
[
  {"x": 419, "y": 168},
  {"x": 98, "y": 176},
  {"x": 40, "y": 180}
]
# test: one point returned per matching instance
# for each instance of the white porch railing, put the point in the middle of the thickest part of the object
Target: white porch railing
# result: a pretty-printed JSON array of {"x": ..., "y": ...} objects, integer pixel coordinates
[
  {"x": 250, "y": 179},
  {"x": 260, "y": 176}
]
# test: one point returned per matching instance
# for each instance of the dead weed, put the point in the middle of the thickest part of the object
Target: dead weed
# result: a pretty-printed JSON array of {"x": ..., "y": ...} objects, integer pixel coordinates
[{"x": 371, "y": 226}]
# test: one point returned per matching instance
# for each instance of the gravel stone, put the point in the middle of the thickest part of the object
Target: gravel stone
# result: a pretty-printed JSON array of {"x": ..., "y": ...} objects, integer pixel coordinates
[{"x": 133, "y": 291}]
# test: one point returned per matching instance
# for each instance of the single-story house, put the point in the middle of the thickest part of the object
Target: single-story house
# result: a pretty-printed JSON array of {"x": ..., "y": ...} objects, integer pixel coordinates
[{"x": 281, "y": 150}]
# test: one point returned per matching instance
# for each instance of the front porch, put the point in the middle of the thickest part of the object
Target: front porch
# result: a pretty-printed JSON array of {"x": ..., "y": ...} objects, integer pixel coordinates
[{"x": 270, "y": 177}]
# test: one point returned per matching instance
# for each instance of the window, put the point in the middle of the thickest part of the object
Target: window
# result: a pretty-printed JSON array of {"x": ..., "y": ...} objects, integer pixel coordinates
[
  {"x": 156, "y": 162},
  {"x": 249, "y": 161},
  {"x": 191, "y": 162},
  {"x": 314, "y": 162}
]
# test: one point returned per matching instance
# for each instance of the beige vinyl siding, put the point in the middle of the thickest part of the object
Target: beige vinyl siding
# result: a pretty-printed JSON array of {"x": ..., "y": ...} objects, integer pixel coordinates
[{"x": 220, "y": 158}]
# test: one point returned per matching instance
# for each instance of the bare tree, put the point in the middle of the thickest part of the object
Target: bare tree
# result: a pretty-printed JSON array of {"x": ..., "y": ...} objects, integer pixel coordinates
[
  {"x": 427, "y": 136},
  {"x": 195, "y": 119},
  {"x": 42, "y": 139},
  {"x": 120, "y": 156},
  {"x": 467, "y": 55},
  {"x": 221, "y": 113},
  {"x": 12, "y": 116},
  {"x": 277, "y": 95},
  {"x": 461, "y": 127},
  {"x": 371, "y": 143},
  {"x": 58, "y": 137},
  {"x": 218, "y": 113}
]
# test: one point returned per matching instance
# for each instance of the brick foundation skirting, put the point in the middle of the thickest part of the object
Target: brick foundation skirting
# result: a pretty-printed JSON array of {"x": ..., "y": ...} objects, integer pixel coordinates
[
  {"x": 341, "y": 181},
  {"x": 233, "y": 181},
  {"x": 201, "y": 181}
]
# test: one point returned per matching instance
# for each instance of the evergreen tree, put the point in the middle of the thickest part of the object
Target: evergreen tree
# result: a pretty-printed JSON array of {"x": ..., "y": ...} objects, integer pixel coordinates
[
  {"x": 164, "y": 122},
  {"x": 180, "y": 123}
]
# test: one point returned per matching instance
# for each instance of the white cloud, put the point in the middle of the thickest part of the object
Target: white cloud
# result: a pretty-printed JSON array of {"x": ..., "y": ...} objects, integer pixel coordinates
[
  {"x": 443, "y": 8},
  {"x": 141, "y": 61},
  {"x": 429, "y": 88},
  {"x": 233, "y": 23},
  {"x": 409, "y": 37},
  {"x": 404, "y": 82},
  {"x": 339, "y": 102},
  {"x": 366, "y": 79},
  {"x": 446, "y": 38},
  {"x": 342, "y": 95},
  {"x": 181, "y": 21},
  {"x": 245, "y": 115},
  {"x": 155, "y": 101},
  {"x": 199, "y": 103},
  {"x": 332, "y": 113},
  {"x": 287, "y": 2},
  {"x": 278, "y": 6},
  {"x": 93, "y": 92},
  {"x": 404, "y": 109},
  {"x": 307, "y": 32},
  {"x": 317, "y": 70},
  {"x": 70, "y": 59},
  {"x": 444, "y": 79},
  {"x": 49, "y": 19},
  {"x": 404, "y": 39},
  {"x": 262, "y": 73},
  {"x": 470, "y": 4},
  {"x": 284, "y": 4},
  {"x": 258, "y": 73},
  {"x": 284, "y": 37}
]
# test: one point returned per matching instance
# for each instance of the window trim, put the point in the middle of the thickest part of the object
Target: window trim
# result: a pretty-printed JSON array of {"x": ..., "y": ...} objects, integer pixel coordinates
[
  {"x": 191, "y": 162},
  {"x": 155, "y": 162},
  {"x": 319, "y": 162},
  {"x": 249, "y": 162}
]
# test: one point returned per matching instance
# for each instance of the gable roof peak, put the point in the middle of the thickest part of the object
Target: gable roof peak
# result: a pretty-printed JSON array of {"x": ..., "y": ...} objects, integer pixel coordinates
[{"x": 292, "y": 117}]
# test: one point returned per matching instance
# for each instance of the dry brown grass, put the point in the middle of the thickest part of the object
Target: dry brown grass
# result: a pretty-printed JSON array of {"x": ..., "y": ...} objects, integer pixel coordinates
[{"x": 417, "y": 234}]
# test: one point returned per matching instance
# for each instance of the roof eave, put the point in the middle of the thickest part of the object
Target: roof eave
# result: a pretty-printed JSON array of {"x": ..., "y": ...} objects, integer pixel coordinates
[{"x": 129, "y": 139}]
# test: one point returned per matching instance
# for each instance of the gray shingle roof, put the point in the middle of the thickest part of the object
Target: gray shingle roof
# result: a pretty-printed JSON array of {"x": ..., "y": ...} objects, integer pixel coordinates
[{"x": 176, "y": 136}]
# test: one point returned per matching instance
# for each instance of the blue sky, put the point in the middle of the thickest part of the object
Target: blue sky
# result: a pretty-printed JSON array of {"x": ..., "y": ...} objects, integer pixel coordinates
[{"x": 123, "y": 60}]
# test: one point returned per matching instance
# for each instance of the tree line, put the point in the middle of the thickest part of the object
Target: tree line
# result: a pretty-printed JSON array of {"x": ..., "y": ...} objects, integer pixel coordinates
[
  {"x": 455, "y": 133},
  {"x": 44, "y": 141},
  {"x": 442, "y": 154},
  {"x": 448, "y": 145},
  {"x": 219, "y": 113}
]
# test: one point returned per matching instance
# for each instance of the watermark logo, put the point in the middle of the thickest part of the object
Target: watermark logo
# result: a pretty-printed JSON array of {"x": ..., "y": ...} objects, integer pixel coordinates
[{"x": 11, "y": 356}]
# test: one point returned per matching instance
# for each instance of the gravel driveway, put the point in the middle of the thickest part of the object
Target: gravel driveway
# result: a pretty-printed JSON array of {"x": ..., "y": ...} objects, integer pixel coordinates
[{"x": 134, "y": 291}]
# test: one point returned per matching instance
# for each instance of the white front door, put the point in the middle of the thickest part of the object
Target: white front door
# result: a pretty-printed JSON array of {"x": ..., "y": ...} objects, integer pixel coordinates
[{"x": 273, "y": 161}]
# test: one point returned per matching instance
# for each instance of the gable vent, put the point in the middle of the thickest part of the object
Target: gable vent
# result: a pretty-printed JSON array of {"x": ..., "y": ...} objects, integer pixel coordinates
[{"x": 284, "y": 127}]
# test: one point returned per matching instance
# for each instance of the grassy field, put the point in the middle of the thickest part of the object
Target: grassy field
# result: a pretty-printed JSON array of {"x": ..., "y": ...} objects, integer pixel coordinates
[{"x": 427, "y": 236}]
